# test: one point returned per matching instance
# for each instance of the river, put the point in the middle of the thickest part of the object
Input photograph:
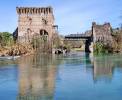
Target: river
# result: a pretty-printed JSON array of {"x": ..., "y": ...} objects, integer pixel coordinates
[{"x": 76, "y": 76}]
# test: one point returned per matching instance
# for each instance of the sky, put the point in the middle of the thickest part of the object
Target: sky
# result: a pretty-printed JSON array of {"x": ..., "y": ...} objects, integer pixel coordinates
[{"x": 72, "y": 16}]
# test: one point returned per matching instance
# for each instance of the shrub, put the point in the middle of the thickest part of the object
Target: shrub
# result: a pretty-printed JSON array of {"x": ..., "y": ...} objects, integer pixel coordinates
[
  {"x": 99, "y": 48},
  {"x": 6, "y": 39}
]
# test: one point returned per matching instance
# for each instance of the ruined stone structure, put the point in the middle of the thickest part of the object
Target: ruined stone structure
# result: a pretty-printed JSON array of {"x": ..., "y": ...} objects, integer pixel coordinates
[
  {"x": 102, "y": 33},
  {"x": 35, "y": 21},
  {"x": 98, "y": 33}
]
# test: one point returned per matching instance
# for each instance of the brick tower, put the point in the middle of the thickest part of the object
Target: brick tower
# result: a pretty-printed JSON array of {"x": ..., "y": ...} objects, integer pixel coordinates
[{"x": 35, "y": 21}]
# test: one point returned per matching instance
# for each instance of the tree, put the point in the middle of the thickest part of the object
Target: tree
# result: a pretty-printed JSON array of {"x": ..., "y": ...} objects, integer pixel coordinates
[
  {"x": 6, "y": 38},
  {"x": 56, "y": 41}
]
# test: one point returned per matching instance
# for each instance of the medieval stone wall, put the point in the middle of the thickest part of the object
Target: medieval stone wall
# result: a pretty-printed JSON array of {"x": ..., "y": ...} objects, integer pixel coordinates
[
  {"x": 34, "y": 20},
  {"x": 102, "y": 33}
]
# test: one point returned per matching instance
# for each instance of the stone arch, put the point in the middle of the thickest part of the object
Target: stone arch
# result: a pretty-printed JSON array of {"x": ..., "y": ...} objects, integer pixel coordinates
[{"x": 44, "y": 34}]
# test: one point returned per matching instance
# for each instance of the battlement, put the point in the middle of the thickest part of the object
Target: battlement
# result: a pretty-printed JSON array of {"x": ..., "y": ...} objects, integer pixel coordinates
[
  {"x": 35, "y": 21},
  {"x": 34, "y": 10},
  {"x": 104, "y": 25}
]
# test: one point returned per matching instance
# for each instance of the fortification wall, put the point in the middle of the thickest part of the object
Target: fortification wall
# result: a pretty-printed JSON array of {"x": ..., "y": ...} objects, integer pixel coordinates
[
  {"x": 32, "y": 20},
  {"x": 102, "y": 33}
]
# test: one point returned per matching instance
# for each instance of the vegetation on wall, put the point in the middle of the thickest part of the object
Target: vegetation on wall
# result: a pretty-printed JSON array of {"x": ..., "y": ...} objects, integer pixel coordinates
[
  {"x": 99, "y": 48},
  {"x": 117, "y": 40},
  {"x": 116, "y": 46},
  {"x": 56, "y": 41},
  {"x": 42, "y": 44}
]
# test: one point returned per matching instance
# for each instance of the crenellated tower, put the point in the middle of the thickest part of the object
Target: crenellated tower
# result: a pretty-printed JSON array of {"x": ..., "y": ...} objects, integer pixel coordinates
[{"x": 35, "y": 21}]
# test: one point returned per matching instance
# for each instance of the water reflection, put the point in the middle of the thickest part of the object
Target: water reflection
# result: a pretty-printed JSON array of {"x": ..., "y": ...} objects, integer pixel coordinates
[
  {"x": 63, "y": 77},
  {"x": 103, "y": 66},
  {"x": 41, "y": 76},
  {"x": 37, "y": 77},
  {"x": 103, "y": 71}
]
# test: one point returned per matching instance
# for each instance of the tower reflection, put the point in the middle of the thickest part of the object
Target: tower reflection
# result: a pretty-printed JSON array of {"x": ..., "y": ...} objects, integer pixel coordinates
[
  {"x": 36, "y": 77},
  {"x": 103, "y": 67}
]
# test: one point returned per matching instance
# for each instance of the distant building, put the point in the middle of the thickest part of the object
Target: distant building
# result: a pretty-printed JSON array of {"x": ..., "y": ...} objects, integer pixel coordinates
[{"x": 35, "y": 21}]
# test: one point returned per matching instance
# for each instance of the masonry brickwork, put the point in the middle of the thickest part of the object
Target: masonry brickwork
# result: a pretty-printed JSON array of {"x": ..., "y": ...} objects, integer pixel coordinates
[
  {"x": 35, "y": 21},
  {"x": 102, "y": 33}
]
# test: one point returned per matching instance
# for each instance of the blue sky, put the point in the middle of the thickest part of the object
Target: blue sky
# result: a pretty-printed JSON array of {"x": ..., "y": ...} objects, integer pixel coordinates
[{"x": 71, "y": 16}]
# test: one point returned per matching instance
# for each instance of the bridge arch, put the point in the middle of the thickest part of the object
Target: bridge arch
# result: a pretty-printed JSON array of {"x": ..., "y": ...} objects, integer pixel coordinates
[{"x": 88, "y": 40}]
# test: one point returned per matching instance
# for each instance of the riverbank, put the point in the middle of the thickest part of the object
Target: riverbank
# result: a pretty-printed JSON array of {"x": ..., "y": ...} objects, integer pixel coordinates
[{"x": 16, "y": 50}]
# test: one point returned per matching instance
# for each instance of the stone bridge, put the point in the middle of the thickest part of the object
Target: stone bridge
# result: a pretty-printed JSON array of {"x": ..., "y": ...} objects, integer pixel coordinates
[
  {"x": 98, "y": 33},
  {"x": 87, "y": 37}
]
